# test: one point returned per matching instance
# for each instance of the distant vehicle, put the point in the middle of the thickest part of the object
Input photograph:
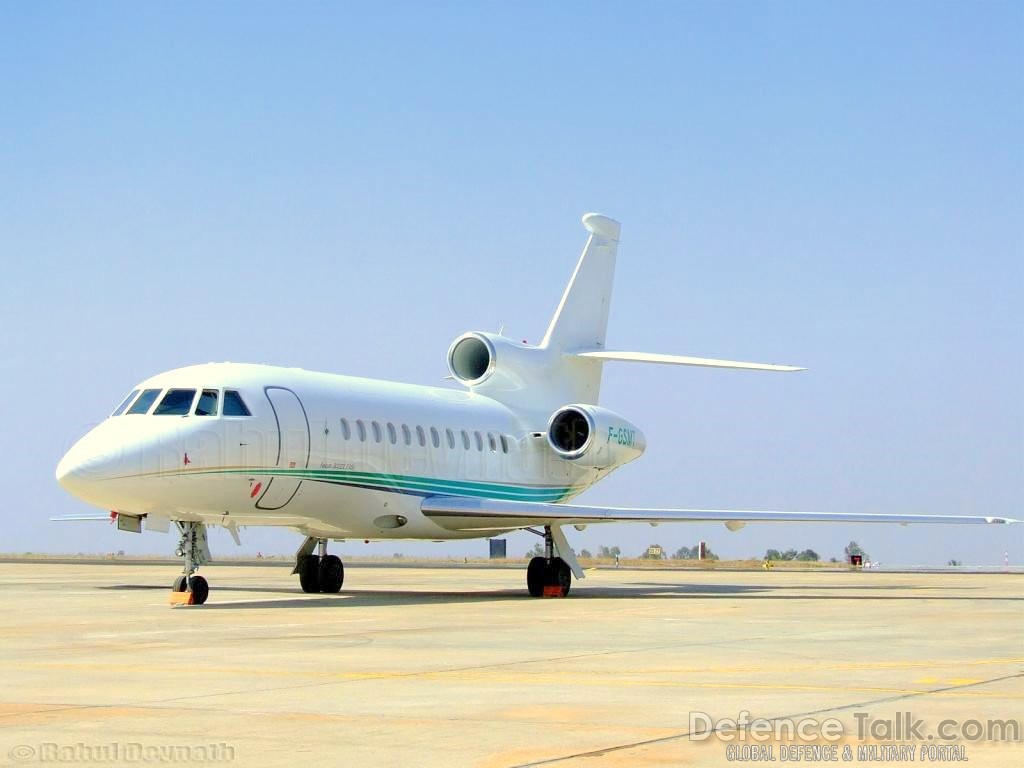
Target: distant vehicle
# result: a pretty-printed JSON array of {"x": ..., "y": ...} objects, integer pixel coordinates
[{"x": 338, "y": 457}]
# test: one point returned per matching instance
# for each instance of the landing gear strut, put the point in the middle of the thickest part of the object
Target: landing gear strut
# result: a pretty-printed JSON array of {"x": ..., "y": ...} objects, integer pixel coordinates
[
  {"x": 193, "y": 548},
  {"x": 320, "y": 572},
  {"x": 547, "y": 574}
]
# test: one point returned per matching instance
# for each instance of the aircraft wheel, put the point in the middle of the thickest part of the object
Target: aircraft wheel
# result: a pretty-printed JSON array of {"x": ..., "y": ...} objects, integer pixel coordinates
[
  {"x": 536, "y": 576},
  {"x": 180, "y": 584},
  {"x": 332, "y": 574},
  {"x": 200, "y": 590},
  {"x": 559, "y": 575},
  {"x": 309, "y": 573}
]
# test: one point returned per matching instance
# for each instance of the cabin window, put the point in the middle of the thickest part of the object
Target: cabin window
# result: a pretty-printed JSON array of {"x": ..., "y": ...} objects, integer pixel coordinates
[
  {"x": 492, "y": 443},
  {"x": 504, "y": 443},
  {"x": 207, "y": 403},
  {"x": 234, "y": 405},
  {"x": 406, "y": 435},
  {"x": 145, "y": 400},
  {"x": 392, "y": 434},
  {"x": 421, "y": 437},
  {"x": 346, "y": 431},
  {"x": 124, "y": 403},
  {"x": 435, "y": 438},
  {"x": 465, "y": 439},
  {"x": 451, "y": 438},
  {"x": 479, "y": 441},
  {"x": 377, "y": 434},
  {"x": 361, "y": 429},
  {"x": 177, "y": 402}
]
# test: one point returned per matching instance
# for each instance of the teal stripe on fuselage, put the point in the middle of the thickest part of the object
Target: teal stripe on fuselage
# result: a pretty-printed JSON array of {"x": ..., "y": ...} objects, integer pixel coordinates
[{"x": 410, "y": 483}]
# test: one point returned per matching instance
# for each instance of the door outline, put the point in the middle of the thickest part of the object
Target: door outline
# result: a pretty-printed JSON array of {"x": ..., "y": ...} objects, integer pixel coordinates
[{"x": 280, "y": 448}]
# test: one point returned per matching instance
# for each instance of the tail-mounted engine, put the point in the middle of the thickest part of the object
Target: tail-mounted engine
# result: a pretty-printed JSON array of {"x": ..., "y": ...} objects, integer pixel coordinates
[
  {"x": 520, "y": 375},
  {"x": 594, "y": 437}
]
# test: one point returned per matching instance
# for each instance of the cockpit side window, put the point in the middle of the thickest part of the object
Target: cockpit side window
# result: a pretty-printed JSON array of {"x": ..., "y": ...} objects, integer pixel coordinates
[
  {"x": 207, "y": 403},
  {"x": 144, "y": 402},
  {"x": 177, "y": 402},
  {"x": 234, "y": 405},
  {"x": 124, "y": 403}
]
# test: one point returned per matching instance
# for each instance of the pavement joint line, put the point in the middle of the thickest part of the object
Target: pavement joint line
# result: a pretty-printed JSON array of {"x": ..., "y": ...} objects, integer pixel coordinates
[{"x": 675, "y": 737}]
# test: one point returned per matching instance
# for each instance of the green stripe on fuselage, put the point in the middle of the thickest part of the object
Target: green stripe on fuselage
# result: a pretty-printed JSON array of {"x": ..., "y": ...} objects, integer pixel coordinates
[{"x": 408, "y": 483}]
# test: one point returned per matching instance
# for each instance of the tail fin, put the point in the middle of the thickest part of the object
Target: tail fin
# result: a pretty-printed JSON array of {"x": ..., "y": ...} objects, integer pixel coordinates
[
  {"x": 577, "y": 331},
  {"x": 581, "y": 319}
]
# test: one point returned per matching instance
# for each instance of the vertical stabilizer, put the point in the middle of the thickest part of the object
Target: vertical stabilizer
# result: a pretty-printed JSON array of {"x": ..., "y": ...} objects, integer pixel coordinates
[{"x": 581, "y": 319}]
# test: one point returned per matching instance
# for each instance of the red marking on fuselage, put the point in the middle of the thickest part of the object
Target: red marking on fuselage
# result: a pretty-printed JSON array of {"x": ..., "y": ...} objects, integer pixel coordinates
[{"x": 255, "y": 490}]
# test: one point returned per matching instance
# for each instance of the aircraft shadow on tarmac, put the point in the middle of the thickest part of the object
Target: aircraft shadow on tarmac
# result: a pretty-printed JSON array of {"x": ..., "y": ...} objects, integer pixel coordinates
[{"x": 292, "y": 598}]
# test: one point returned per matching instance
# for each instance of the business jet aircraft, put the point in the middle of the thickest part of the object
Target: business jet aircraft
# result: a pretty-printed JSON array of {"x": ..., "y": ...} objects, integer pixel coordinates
[{"x": 338, "y": 457}]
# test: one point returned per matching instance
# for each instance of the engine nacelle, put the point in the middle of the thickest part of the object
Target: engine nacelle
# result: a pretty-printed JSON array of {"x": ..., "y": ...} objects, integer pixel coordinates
[
  {"x": 498, "y": 366},
  {"x": 594, "y": 437},
  {"x": 531, "y": 379}
]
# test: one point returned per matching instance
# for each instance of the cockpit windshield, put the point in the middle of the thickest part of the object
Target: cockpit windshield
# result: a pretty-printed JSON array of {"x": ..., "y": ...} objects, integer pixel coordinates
[
  {"x": 144, "y": 402},
  {"x": 207, "y": 405},
  {"x": 177, "y": 402},
  {"x": 183, "y": 402},
  {"x": 234, "y": 405},
  {"x": 124, "y": 403}
]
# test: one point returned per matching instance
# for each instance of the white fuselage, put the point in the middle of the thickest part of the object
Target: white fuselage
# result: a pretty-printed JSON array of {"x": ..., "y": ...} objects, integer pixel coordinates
[{"x": 331, "y": 456}]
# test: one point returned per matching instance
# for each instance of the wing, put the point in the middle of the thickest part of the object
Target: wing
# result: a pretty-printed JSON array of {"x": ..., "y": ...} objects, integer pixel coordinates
[
  {"x": 458, "y": 513},
  {"x": 83, "y": 518}
]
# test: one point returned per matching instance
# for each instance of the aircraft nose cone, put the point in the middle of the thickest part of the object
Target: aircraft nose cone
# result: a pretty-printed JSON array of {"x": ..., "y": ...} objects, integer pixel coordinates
[
  {"x": 66, "y": 471},
  {"x": 81, "y": 470},
  {"x": 73, "y": 472}
]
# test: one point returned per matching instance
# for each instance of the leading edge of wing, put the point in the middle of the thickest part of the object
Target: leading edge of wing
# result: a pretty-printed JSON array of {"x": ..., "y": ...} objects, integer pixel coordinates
[{"x": 464, "y": 514}]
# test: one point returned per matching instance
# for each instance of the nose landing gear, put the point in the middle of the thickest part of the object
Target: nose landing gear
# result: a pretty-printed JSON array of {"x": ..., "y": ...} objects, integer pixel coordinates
[
  {"x": 320, "y": 572},
  {"x": 195, "y": 551}
]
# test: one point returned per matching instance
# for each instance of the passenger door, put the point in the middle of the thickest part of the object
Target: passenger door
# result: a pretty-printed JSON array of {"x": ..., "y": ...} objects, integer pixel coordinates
[{"x": 292, "y": 448}]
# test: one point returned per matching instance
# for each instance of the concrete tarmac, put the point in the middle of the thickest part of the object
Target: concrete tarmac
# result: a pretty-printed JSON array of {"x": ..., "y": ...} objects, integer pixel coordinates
[{"x": 454, "y": 667}]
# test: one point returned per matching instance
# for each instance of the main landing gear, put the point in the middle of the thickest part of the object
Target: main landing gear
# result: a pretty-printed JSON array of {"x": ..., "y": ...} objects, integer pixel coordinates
[
  {"x": 548, "y": 575},
  {"x": 195, "y": 551},
  {"x": 320, "y": 572}
]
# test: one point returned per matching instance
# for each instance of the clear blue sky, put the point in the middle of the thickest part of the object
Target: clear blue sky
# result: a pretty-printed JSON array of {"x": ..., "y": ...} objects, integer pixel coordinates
[{"x": 347, "y": 187}]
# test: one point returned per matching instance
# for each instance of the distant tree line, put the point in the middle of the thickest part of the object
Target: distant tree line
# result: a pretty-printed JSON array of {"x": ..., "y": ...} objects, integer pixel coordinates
[
  {"x": 693, "y": 553},
  {"x": 808, "y": 555}
]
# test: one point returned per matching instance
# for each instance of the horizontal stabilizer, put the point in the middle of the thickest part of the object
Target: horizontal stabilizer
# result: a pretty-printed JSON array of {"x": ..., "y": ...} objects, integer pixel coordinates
[
  {"x": 707, "y": 362},
  {"x": 460, "y": 513}
]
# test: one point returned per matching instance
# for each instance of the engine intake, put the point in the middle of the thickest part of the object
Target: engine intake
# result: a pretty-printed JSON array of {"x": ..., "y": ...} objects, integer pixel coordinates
[
  {"x": 471, "y": 358},
  {"x": 569, "y": 432},
  {"x": 594, "y": 436}
]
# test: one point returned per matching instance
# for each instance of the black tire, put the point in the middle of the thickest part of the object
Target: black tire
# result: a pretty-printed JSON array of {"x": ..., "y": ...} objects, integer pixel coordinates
[
  {"x": 180, "y": 584},
  {"x": 559, "y": 575},
  {"x": 200, "y": 590},
  {"x": 536, "y": 576},
  {"x": 332, "y": 574},
  {"x": 309, "y": 573}
]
